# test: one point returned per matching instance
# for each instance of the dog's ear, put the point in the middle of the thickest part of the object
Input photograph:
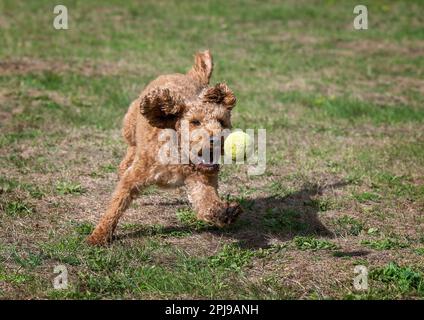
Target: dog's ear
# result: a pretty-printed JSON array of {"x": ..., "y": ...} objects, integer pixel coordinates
[
  {"x": 220, "y": 94},
  {"x": 161, "y": 108},
  {"x": 202, "y": 67}
]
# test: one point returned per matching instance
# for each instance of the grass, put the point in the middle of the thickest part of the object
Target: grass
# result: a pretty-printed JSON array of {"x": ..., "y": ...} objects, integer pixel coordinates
[
  {"x": 311, "y": 243},
  {"x": 65, "y": 187},
  {"x": 283, "y": 221},
  {"x": 349, "y": 226},
  {"x": 84, "y": 228},
  {"x": 367, "y": 196},
  {"x": 384, "y": 244},
  {"x": 420, "y": 251},
  {"x": 343, "y": 185},
  {"x": 18, "y": 208},
  {"x": 400, "y": 279},
  {"x": 15, "y": 278},
  {"x": 326, "y": 107},
  {"x": 134, "y": 272},
  {"x": 34, "y": 191},
  {"x": 231, "y": 257},
  {"x": 188, "y": 218}
]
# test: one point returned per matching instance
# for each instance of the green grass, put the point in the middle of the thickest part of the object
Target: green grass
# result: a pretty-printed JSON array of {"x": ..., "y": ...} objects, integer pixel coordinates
[
  {"x": 188, "y": 218},
  {"x": 283, "y": 221},
  {"x": 420, "y": 251},
  {"x": 278, "y": 189},
  {"x": 66, "y": 187},
  {"x": 84, "y": 228},
  {"x": 231, "y": 257},
  {"x": 9, "y": 185},
  {"x": 343, "y": 111},
  {"x": 311, "y": 243},
  {"x": 384, "y": 244},
  {"x": 367, "y": 196},
  {"x": 400, "y": 279},
  {"x": 353, "y": 110},
  {"x": 30, "y": 260},
  {"x": 323, "y": 204},
  {"x": 133, "y": 272},
  {"x": 349, "y": 226},
  {"x": 14, "y": 278},
  {"x": 18, "y": 209}
]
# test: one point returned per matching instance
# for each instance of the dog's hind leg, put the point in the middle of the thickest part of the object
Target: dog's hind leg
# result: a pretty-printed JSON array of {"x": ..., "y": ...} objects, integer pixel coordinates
[
  {"x": 127, "y": 161},
  {"x": 125, "y": 191},
  {"x": 128, "y": 132}
]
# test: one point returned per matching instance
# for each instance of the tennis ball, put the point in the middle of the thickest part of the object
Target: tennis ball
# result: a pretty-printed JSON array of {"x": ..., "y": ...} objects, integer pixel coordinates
[{"x": 238, "y": 144}]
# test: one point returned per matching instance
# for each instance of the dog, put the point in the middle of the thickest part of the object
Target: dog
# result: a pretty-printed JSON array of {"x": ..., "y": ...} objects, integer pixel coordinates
[{"x": 165, "y": 103}]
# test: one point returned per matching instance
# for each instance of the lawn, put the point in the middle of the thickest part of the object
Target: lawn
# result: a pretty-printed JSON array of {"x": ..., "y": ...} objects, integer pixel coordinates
[{"x": 344, "y": 183}]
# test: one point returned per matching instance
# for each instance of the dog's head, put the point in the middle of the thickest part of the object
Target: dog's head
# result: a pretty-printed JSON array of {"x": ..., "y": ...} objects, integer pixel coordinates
[{"x": 207, "y": 117}]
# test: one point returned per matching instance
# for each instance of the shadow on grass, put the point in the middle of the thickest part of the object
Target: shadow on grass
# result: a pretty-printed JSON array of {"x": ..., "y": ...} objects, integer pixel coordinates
[
  {"x": 350, "y": 254},
  {"x": 280, "y": 217}
]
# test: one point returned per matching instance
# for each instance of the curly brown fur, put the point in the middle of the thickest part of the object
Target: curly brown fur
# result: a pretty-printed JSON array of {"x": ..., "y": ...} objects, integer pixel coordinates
[{"x": 164, "y": 103}]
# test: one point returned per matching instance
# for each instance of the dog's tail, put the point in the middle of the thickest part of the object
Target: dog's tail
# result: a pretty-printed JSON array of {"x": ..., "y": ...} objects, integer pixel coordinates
[{"x": 202, "y": 67}]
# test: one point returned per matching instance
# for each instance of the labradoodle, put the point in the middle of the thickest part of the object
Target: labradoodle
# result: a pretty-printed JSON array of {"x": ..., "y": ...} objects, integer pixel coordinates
[{"x": 164, "y": 104}]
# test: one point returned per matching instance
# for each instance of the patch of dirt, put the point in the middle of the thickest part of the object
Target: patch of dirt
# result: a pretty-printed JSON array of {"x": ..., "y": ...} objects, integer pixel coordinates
[
  {"x": 7, "y": 97},
  {"x": 395, "y": 93},
  {"x": 367, "y": 46},
  {"x": 51, "y": 95},
  {"x": 296, "y": 84},
  {"x": 4, "y": 23},
  {"x": 86, "y": 67},
  {"x": 207, "y": 244}
]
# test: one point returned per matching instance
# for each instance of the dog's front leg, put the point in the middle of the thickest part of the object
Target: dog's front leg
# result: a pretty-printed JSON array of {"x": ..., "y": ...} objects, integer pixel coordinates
[
  {"x": 203, "y": 195},
  {"x": 125, "y": 191}
]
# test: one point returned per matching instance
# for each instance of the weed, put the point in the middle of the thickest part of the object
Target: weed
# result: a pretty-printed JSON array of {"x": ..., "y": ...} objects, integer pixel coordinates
[
  {"x": 18, "y": 208},
  {"x": 403, "y": 279},
  {"x": 384, "y": 244},
  {"x": 349, "y": 226},
  {"x": 188, "y": 218},
  {"x": 283, "y": 220},
  {"x": 311, "y": 243},
  {"x": 231, "y": 257},
  {"x": 65, "y": 187},
  {"x": 367, "y": 196}
]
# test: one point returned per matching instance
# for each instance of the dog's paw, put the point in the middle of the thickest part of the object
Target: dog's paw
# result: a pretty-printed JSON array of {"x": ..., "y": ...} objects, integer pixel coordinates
[
  {"x": 95, "y": 240},
  {"x": 226, "y": 215}
]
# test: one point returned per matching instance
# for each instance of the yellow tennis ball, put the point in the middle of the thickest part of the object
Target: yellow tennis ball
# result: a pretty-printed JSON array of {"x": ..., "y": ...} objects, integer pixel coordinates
[{"x": 238, "y": 144}]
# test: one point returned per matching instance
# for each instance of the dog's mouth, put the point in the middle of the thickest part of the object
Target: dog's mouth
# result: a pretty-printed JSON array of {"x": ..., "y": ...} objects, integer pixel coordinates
[{"x": 206, "y": 164}]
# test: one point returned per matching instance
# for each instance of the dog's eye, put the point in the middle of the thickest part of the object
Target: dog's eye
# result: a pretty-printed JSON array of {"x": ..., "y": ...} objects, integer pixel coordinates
[
  {"x": 195, "y": 122},
  {"x": 222, "y": 123}
]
